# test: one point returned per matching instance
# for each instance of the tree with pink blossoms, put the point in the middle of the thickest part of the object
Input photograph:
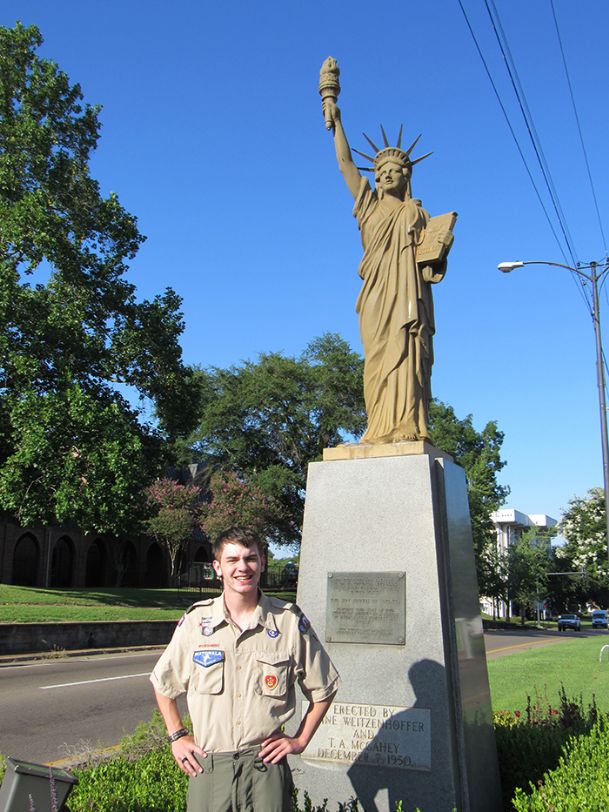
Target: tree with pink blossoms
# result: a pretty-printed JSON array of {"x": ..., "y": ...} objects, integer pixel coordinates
[
  {"x": 174, "y": 515},
  {"x": 234, "y": 501}
]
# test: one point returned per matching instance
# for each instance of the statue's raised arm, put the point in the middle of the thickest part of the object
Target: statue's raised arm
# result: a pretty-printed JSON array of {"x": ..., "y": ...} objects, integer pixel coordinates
[
  {"x": 404, "y": 254},
  {"x": 329, "y": 88}
]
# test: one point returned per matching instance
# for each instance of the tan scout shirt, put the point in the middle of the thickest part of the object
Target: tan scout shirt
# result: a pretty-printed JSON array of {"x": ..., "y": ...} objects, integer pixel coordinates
[{"x": 241, "y": 685}]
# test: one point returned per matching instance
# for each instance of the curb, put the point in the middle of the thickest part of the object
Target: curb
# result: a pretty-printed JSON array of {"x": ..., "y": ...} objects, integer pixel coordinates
[{"x": 11, "y": 659}]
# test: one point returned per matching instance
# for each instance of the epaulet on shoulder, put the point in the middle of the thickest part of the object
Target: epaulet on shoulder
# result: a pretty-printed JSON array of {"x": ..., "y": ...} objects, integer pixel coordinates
[
  {"x": 208, "y": 602},
  {"x": 294, "y": 608},
  {"x": 282, "y": 606}
]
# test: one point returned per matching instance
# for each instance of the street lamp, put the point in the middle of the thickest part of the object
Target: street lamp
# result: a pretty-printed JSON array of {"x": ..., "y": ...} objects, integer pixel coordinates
[{"x": 593, "y": 277}]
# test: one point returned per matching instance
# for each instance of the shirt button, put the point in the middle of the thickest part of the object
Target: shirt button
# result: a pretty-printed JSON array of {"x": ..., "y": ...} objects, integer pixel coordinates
[
  {"x": 238, "y": 722},
  {"x": 238, "y": 668}
]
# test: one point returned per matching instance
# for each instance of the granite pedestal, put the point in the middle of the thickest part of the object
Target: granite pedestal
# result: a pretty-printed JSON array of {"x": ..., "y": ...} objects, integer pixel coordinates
[{"x": 387, "y": 578}]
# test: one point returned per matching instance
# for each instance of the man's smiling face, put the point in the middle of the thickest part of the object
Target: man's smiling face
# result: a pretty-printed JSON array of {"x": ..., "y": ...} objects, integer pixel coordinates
[{"x": 240, "y": 568}]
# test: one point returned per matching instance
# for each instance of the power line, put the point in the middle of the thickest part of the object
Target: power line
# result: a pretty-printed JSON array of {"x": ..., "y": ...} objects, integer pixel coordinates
[
  {"x": 579, "y": 129},
  {"x": 582, "y": 290},
  {"x": 511, "y": 129},
  {"x": 528, "y": 120}
]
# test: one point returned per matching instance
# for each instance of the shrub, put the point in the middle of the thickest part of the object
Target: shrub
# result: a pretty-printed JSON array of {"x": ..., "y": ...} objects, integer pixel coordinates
[
  {"x": 580, "y": 783},
  {"x": 151, "y": 783},
  {"x": 530, "y": 743}
]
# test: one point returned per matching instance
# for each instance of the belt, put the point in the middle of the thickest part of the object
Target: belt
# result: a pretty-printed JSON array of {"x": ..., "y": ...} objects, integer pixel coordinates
[
  {"x": 248, "y": 752},
  {"x": 216, "y": 760}
]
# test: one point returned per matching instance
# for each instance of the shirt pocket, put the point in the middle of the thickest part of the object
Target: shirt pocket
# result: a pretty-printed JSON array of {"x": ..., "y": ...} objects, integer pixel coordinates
[
  {"x": 273, "y": 672},
  {"x": 208, "y": 673}
]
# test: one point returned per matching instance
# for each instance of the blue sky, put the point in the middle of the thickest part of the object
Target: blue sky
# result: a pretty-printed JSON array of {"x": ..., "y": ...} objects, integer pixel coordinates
[{"x": 213, "y": 136}]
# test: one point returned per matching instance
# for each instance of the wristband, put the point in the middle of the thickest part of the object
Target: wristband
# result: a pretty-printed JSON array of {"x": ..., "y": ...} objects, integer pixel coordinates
[{"x": 173, "y": 737}]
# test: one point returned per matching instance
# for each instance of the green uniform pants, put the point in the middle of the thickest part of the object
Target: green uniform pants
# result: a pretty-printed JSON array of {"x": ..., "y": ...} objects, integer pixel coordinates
[{"x": 240, "y": 782}]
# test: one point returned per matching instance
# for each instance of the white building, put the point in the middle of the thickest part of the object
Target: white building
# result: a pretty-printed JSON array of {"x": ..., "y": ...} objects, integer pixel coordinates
[{"x": 510, "y": 525}]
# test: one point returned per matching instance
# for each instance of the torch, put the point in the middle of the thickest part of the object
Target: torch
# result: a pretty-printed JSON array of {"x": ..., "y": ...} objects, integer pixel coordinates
[{"x": 329, "y": 86}]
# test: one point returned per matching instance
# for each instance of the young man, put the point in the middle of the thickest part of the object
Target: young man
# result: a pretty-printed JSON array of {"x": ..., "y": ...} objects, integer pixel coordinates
[{"x": 238, "y": 657}]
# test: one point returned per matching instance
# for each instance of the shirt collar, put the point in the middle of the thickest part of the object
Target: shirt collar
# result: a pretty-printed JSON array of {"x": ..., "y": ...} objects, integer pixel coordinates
[
  {"x": 218, "y": 611},
  {"x": 263, "y": 615}
]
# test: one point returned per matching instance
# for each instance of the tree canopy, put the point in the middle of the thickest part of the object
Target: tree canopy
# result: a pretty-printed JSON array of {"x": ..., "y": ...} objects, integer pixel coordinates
[
  {"x": 74, "y": 340},
  {"x": 584, "y": 528},
  {"x": 479, "y": 453},
  {"x": 266, "y": 420},
  {"x": 528, "y": 564}
]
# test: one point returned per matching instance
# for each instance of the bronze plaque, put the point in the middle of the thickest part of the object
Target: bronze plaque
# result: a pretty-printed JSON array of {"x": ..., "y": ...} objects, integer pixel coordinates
[{"x": 366, "y": 607}]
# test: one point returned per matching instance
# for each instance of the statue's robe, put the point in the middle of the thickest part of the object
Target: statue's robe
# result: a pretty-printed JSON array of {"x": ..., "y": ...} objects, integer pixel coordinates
[{"x": 395, "y": 308}]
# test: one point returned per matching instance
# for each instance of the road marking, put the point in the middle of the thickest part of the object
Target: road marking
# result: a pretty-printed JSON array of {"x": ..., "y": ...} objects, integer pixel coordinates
[
  {"x": 537, "y": 644},
  {"x": 90, "y": 681}
]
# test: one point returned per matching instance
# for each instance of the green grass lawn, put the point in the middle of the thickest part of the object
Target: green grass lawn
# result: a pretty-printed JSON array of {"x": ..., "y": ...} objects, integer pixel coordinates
[
  {"x": 33, "y": 605},
  {"x": 540, "y": 673}
]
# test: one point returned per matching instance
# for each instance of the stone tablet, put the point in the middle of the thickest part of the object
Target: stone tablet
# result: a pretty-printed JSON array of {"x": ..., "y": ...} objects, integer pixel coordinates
[
  {"x": 366, "y": 607},
  {"x": 373, "y": 735}
]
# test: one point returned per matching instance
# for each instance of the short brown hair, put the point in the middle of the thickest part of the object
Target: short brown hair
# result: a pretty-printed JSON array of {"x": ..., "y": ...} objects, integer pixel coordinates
[{"x": 244, "y": 536}]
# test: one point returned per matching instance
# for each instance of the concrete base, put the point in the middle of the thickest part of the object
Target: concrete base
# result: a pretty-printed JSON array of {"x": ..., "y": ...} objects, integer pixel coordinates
[{"x": 412, "y": 720}]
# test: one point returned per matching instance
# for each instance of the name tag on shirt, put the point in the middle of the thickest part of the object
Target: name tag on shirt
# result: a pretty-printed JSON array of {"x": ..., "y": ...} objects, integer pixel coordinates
[{"x": 207, "y": 658}]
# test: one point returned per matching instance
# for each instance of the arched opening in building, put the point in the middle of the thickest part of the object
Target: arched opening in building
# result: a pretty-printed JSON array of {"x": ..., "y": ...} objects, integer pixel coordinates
[
  {"x": 130, "y": 565},
  {"x": 25, "y": 561},
  {"x": 62, "y": 562},
  {"x": 98, "y": 570},
  {"x": 200, "y": 572},
  {"x": 156, "y": 572},
  {"x": 203, "y": 554}
]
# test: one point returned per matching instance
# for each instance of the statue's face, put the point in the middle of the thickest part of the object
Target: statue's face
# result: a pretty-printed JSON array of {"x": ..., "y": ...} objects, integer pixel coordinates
[{"x": 391, "y": 178}]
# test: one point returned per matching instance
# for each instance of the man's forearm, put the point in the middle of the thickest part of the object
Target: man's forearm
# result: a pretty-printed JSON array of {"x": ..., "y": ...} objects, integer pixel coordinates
[
  {"x": 169, "y": 711},
  {"x": 312, "y": 720}
]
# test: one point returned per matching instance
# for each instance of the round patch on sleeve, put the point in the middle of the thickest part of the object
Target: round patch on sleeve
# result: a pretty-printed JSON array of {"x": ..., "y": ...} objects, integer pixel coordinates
[{"x": 303, "y": 624}]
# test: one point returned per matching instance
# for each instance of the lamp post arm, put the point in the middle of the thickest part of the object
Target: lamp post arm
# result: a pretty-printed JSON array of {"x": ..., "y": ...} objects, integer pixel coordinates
[
  {"x": 593, "y": 277},
  {"x": 578, "y": 271}
]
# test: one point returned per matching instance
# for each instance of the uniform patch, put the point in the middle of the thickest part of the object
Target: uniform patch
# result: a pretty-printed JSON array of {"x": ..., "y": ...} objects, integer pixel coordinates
[
  {"x": 207, "y": 658},
  {"x": 272, "y": 633},
  {"x": 207, "y": 627},
  {"x": 303, "y": 624},
  {"x": 270, "y": 680}
]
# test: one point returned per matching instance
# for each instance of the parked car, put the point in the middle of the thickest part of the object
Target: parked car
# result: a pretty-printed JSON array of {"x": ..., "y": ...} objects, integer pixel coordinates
[
  {"x": 569, "y": 622},
  {"x": 600, "y": 619}
]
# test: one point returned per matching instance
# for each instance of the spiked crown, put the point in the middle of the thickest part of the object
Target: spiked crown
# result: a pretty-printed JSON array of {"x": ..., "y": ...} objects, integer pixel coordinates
[{"x": 396, "y": 153}]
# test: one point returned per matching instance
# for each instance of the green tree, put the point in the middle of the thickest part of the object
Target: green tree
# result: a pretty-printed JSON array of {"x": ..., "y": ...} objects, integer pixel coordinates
[
  {"x": 584, "y": 528},
  {"x": 566, "y": 592},
  {"x": 266, "y": 420},
  {"x": 528, "y": 563},
  {"x": 175, "y": 512},
  {"x": 479, "y": 453},
  {"x": 74, "y": 341}
]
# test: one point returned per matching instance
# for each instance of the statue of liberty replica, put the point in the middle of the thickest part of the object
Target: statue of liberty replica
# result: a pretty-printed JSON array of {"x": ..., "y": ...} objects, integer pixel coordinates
[
  {"x": 386, "y": 562},
  {"x": 404, "y": 255}
]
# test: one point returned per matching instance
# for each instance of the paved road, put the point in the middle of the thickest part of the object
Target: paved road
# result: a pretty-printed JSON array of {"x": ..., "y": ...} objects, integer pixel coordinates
[
  {"x": 500, "y": 642},
  {"x": 49, "y": 708}
]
